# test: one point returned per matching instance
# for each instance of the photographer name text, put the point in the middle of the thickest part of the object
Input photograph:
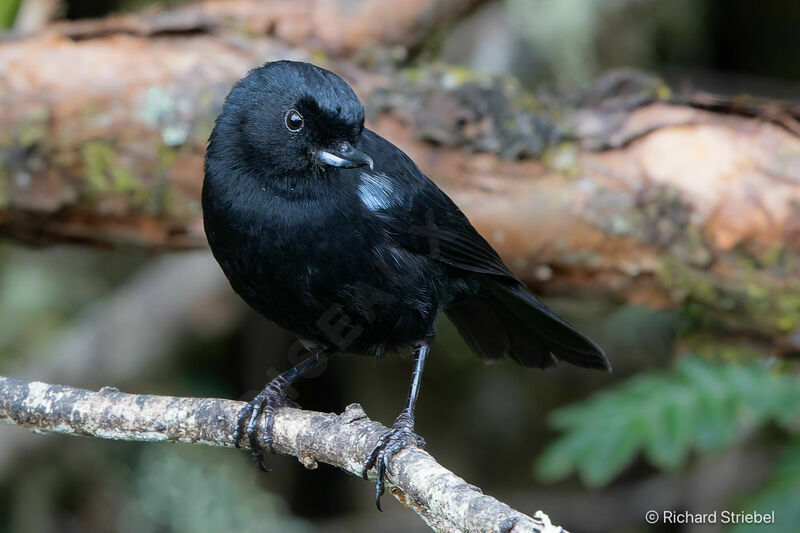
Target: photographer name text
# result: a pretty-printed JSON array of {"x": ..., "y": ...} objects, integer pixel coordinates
[{"x": 714, "y": 517}]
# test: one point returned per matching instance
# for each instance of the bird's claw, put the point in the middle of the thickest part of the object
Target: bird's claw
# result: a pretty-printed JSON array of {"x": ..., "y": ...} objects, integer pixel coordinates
[
  {"x": 264, "y": 404},
  {"x": 401, "y": 435}
]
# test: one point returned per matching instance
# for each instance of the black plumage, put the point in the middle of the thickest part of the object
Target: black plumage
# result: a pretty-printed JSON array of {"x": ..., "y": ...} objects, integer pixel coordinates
[{"x": 333, "y": 233}]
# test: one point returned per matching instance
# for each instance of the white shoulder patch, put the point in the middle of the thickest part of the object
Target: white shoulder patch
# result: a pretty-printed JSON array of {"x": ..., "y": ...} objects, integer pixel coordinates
[{"x": 375, "y": 191}]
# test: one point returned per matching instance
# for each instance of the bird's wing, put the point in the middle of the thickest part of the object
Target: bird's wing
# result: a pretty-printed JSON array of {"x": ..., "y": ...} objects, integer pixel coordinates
[
  {"x": 423, "y": 219},
  {"x": 433, "y": 225}
]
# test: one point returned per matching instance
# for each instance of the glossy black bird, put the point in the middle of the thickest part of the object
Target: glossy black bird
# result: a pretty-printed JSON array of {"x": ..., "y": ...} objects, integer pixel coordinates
[{"x": 333, "y": 233}]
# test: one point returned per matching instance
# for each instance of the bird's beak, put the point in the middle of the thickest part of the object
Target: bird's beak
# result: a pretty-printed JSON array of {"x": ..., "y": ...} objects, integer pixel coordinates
[{"x": 343, "y": 155}]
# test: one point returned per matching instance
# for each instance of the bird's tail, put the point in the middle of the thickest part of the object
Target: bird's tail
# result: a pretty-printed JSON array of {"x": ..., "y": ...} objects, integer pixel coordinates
[{"x": 504, "y": 318}]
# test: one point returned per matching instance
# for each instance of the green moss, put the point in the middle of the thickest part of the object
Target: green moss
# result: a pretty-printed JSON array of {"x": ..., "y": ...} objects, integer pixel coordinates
[
  {"x": 788, "y": 306},
  {"x": 692, "y": 248},
  {"x": 413, "y": 75},
  {"x": 98, "y": 160},
  {"x": 124, "y": 182},
  {"x": 563, "y": 158},
  {"x": 32, "y": 128},
  {"x": 105, "y": 176},
  {"x": 787, "y": 323},
  {"x": 754, "y": 301},
  {"x": 166, "y": 156},
  {"x": 202, "y": 128},
  {"x": 319, "y": 57},
  {"x": 685, "y": 283},
  {"x": 91, "y": 111},
  {"x": 456, "y": 76},
  {"x": 61, "y": 158},
  {"x": 159, "y": 199},
  {"x": 446, "y": 76},
  {"x": 528, "y": 102},
  {"x": 757, "y": 292},
  {"x": 716, "y": 347},
  {"x": 773, "y": 256},
  {"x": 204, "y": 121},
  {"x": 6, "y": 139}
]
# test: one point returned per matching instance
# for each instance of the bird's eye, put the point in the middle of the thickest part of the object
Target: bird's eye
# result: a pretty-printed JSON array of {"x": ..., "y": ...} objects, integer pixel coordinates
[{"x": 294, "y": 120}]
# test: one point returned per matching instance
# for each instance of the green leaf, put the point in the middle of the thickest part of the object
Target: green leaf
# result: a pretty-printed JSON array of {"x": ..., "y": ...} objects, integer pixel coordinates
[
  {"x": 698, "y": 405},
  {"x": 779, "y": 496},
  {"x": 615, "y": 452},
  {"x": 670, "y": 430},
  {"x": 558, "y": 461}
]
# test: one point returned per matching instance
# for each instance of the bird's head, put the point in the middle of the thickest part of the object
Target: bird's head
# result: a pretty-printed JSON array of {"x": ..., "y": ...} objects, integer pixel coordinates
[{"x": 290, "y": 117}]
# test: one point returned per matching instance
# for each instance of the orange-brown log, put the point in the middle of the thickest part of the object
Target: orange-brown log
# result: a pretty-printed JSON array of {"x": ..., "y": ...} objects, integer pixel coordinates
[
  {"x": 356, "y": 27},
  {"x": 661, "y": 203}
]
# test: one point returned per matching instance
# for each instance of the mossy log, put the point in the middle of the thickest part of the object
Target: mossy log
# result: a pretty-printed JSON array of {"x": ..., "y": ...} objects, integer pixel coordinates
[{"x": 626, "y": 191}]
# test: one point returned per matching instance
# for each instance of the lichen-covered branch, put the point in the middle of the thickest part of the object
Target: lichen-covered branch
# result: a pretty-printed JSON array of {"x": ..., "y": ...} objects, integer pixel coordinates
[
  {"x": 630, "y": 192},
  {"x": 445, "y": 502}
]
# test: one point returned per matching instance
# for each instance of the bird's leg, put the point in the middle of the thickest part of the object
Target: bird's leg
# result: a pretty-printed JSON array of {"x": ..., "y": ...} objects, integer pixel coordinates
[
  {"x": 402, "y": 432},
  {"x": 266, "y": 403}
]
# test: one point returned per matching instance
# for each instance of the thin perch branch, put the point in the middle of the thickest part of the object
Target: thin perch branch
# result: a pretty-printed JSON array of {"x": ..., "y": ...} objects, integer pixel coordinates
[{"x": 443, "y": 500}]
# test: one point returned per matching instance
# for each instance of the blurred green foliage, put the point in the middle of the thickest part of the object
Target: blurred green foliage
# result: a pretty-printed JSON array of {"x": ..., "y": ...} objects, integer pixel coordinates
[
  {"x": 781, "y": 494},
  {"x": 41, "y": 290},
  {"x": 699, "y": 405},
  {"x": 573, "y": 41},
  {"x": 198, "y": 490},
  {"x": 8, "y": 12}
]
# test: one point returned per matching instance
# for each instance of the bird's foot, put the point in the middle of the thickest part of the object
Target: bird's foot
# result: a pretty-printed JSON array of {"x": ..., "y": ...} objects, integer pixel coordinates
[
  {"x": 264, "y": 404},
  {"x": 391, "y": 442}
]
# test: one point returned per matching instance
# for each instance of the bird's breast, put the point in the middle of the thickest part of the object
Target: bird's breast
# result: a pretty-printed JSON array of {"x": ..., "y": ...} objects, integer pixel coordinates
[{"x": 302, "y": 263}]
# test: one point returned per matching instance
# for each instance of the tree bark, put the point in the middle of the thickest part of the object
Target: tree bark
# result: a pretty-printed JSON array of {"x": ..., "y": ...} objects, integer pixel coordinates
[
  {"x": 627, "y": 191},
  {"x": 444, "y": 501}
]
